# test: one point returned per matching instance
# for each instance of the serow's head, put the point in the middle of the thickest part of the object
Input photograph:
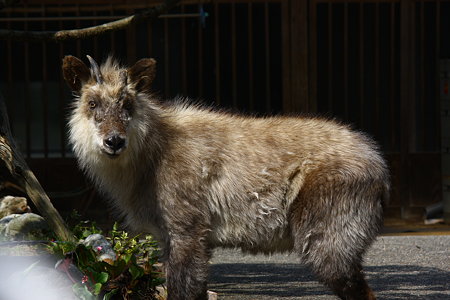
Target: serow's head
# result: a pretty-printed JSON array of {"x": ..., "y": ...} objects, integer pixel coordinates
[{"x": 107, "y": 98}]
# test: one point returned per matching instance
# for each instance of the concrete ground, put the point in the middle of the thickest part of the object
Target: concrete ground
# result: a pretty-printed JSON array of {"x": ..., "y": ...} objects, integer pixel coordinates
[{"x": 397, "y": 266}]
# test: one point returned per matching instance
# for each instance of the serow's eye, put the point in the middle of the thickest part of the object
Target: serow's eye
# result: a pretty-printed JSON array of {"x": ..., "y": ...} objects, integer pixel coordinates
[
  {"x": 92, "y": 104},
  {"x": 127, "y": 105}
]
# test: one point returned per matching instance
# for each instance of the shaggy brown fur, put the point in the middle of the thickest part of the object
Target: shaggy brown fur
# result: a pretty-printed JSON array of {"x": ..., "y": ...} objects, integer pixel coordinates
[{"x": 197, "y": 178}]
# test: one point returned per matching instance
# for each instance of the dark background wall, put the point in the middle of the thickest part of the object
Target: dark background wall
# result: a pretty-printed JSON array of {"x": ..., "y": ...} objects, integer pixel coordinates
[{"x": 374, "y": 64}]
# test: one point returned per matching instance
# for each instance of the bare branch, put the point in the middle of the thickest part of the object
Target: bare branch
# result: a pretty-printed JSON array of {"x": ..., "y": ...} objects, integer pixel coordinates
[
  {"x": 14, "y": 171},
  {"x": 83, "y": 33}
]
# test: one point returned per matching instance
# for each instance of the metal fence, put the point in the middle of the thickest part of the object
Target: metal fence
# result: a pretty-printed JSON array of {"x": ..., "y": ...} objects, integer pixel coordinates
[
  {"x": 374, "y": 64},
  {"x": 377, "y": 65},
  {"x": 225, "y": 53}
]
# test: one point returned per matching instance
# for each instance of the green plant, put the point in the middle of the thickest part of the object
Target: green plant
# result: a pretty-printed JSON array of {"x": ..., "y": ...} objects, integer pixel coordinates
[
  {"x": 82, "y": 228},
  {"x": 133, "y": 273},
  {"x": 136, "y": 261}
]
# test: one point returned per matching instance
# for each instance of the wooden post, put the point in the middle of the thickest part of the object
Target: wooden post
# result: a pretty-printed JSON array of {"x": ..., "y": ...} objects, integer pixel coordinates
[{"x": 14, "y": 168}]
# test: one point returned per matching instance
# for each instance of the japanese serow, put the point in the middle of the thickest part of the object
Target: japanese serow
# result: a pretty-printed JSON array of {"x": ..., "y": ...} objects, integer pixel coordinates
[{"x": 197, "y": 178}]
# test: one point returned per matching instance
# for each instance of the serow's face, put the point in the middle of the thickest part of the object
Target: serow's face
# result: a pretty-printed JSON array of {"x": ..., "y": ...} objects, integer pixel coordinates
[
  {"x": 107, "y": 98},
  {"x": 110, "y": 110}
]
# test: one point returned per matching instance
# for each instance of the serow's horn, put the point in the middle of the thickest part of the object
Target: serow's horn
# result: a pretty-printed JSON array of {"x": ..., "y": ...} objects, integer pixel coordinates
[
  {"x": 95, "y": 70},
  {"x": 123, "y": 77}
]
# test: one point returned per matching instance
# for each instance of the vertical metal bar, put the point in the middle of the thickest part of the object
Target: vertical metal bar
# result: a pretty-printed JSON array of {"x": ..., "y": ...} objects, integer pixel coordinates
[
  {"x": 267, "y": 62},
  {"x": 233, "y": 55},
  {"x": 422, "y": 64},
  {"x": 130, "y": 37},
  {"x": 437, "y": 81},
  {"x": 299, "y": 56},
  {"x": 361, "y": 63},
  {"x": 313, "y": 55},
  {"x": 112, "y": 34},
  {"x": 412, "y": 80},
  {"x": 149, "y": 39},
  {"x": 27, "y": 91},
  {"x": 330, "y": 57},
  {"x": 95, "y": 39},
  {"x": 392, "y": 85},
  {"x": 183, "y": 53},
  {"x": 250, "y": 56},
  {"x": 377, "y": 116},
  {"x": 200, "y": 56},
  {"x": 346, "y": 113},
  {"x": 286, "y": 55},
  {"x": 61, "y": 102},
  {"x": 407, "y": 102},
  {"x": 44, "y": 93},
  {"x": 78, "y": 42},
  {"x": 217, "y": 50},
  {"x": 166, "y": 59},
  {"x": 10, "y": 86}
]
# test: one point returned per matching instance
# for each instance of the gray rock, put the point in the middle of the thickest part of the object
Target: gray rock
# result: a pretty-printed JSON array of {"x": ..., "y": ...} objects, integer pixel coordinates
[
  {"x": 4, "y": 222},
  {"x": 26, "y": 225},
  {"x": 101, "y": 246}
]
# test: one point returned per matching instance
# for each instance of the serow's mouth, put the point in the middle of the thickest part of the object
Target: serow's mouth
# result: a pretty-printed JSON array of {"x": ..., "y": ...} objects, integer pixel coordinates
[
  {"x": 113, "y": 145},
  {"x": 112, "y": 153}
]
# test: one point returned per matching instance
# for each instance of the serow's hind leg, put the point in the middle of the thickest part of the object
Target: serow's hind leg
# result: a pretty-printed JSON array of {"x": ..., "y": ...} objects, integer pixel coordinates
[
  {"x": 337, "y": 263},
  {"x": 334, "y": 253},
  {"x": 337, "y": 266},
  {"x": 353, "y": 287},
  {"x": 333, "y": 225}
]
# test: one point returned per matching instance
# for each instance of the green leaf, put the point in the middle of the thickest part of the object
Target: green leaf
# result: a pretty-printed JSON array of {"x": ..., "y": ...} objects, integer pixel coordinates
[
  {"x": 157, "y": 281},
  {"x": 101, "y": 277},
  {"x": 118, "y": 246},
  {"x": 108, "y": 295},
  {"x": 129, "y": 251},
  {"x": 82, "y": 292},
  {"x": 136, "y": 272},
  {"x": 86, "y": 256},
  {"x": 97, "y": 288},
  {"x": 126, "y": 258},
  {"x": 86, "y": 233}
]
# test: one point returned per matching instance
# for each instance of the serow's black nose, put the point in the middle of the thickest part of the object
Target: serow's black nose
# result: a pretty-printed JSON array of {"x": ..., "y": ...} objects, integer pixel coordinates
[{"x": 114, "y": 142}]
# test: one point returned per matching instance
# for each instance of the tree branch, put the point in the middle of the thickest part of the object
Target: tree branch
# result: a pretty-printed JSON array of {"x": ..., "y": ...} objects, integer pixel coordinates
[
  {"x": 83, "y": 33},
  {"x": 13, "y": 168}
]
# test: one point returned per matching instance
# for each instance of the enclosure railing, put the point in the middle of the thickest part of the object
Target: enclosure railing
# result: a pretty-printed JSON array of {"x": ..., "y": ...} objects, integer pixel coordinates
[{"x": 374, "y": 64}]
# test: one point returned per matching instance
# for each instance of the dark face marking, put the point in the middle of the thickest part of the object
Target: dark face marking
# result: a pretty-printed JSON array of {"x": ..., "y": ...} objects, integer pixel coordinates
[{"x": 111, "y": 115}]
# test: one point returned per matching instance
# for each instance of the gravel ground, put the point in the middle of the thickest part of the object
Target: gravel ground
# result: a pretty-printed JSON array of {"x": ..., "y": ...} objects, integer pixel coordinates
[{"x": 397, "y": 267}]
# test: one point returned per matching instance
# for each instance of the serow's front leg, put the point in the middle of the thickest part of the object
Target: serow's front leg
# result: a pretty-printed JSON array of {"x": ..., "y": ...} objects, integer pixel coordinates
[{"x": 187, "y": 268}]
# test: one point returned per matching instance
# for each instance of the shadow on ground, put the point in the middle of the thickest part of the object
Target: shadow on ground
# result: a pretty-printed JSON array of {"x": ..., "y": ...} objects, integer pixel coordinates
[{"x": 271, "y": 281}]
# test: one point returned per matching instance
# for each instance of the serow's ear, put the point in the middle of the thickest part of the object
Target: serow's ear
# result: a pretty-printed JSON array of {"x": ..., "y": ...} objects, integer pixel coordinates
[
  {"x": 142, "y": 74},
  {"x": 75, "y": 72}
]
